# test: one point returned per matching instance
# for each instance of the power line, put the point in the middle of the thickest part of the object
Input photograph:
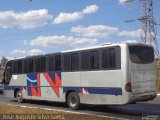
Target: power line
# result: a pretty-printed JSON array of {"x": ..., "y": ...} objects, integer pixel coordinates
[{"x": 148, "y": 34}]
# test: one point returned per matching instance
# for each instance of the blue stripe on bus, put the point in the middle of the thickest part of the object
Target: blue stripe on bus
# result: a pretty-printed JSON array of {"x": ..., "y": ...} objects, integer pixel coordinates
[
  {"x": 91, "y": 90},
  {"x": 109, "y": 91}
]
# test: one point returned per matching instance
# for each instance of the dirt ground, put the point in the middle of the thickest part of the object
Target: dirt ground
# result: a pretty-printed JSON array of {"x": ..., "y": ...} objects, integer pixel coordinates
[{"x": 8, "y": 112}]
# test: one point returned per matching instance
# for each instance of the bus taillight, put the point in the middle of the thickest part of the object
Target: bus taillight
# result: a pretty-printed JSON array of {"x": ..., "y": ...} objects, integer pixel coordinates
[{"x": 128, "y": 87}]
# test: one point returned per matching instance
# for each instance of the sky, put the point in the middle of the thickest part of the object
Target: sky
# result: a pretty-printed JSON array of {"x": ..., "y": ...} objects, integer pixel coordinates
[{"x": 48, "y": 26}]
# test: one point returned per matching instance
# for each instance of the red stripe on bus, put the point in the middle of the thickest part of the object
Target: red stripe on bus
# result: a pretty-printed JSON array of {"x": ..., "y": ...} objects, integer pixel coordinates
[
  {"x": 35, "y": 92},
  {"x": 54, "y": 86}
]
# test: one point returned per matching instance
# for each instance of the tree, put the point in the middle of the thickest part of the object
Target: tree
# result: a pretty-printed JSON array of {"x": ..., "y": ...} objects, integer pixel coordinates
[
  {"x": 2, "y": 65},
  {"x": 3, "y": 62}
]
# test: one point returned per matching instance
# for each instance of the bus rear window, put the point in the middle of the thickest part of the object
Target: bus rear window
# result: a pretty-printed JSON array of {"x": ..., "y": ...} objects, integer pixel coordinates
[{"x": 141, "y": 54}]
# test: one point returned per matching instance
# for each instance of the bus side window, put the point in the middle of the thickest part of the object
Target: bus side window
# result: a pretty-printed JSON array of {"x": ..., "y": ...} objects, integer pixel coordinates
[
  {"x": 111, "y": 58},
  {"x": 19, "y": 66},
  {"x": 85, "y": 60},
  {"x": 118, "y": 57},
  {"x": 25, "y": 66},
  {"x": 67, "y": 62},
  {"x": 15, "y": 67},
  {"x": 51, "y": 63},
  {"x": 30, "y": 65},
  {"x": 38, "y": 65},
  {"x": 105, "y": 60},
  {"x": 74, "y": 61},
  {"x": 94, "y": 60},
  {"x": 58, "y": 62},
  {"x": 43, "y": 64}
]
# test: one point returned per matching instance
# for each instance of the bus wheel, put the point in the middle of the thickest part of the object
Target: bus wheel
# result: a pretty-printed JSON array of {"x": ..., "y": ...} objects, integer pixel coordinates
[
  {"x": 73, "y": 101},
  {"x": 19, "y": 96}
]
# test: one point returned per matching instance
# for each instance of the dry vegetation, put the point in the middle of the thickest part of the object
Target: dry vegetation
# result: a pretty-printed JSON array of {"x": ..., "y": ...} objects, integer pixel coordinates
[
  {"x": 1, "y": 74},
  {"x": 41, "y": 113},
  {"x": 158, "y": 75}
]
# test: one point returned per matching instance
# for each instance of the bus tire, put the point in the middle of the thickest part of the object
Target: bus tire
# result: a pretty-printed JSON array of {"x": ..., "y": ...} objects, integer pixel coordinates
[
  {"x": 19, "y": 96},
  {"x": 73, "y": 101}
]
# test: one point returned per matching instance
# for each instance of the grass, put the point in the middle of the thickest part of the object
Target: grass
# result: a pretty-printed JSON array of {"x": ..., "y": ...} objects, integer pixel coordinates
[{"x": 18, "y": 112}]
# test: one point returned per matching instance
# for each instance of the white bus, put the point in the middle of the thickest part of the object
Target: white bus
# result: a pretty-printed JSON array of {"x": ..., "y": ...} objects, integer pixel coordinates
[{"x": 114, "y": 74}]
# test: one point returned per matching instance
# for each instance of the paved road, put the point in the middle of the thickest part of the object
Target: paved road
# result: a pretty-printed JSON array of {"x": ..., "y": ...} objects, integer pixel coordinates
[{"x": 130, "y": 111}]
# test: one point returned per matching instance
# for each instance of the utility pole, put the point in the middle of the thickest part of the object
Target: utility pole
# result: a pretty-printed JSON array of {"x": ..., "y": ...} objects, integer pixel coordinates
[{"x": 148, "y": 33}]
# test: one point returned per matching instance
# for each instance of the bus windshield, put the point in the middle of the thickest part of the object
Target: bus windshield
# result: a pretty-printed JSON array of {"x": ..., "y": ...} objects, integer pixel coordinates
[{"x": 141, "y": 54}]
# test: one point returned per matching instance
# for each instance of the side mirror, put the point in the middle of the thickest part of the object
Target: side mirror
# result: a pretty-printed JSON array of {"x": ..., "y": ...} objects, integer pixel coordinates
[{"x": 6, "y": 69}]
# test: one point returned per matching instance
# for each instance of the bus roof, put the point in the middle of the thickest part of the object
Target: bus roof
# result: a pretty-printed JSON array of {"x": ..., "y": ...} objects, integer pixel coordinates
[
  {"x": 82, "y": 49},
  {"x": 103, "y": 46}
]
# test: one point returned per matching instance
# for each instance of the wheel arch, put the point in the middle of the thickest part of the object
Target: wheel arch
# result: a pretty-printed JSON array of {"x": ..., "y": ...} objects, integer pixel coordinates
[
  {"x": 15, "y": 91},
  {"x": 68, "y": 92}
]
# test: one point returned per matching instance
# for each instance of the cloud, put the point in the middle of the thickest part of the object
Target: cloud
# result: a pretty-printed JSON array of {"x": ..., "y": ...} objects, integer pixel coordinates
[
  {"x": 124, "y": 1},
  {"x": 24, "y": 20},
  {"x": 94, "y": 31},
  {"x": 61, "y": 41},
  {"x": 26, "y": 53},
  {"x": 135, "y": 33},
  {"x": 130, "y": 41},
  {"x": 68, "y": 17},
  {"x": 2, "y": 51},
  {"x": 64, "y": 17},
  {"x": 90, "y": 9}
]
